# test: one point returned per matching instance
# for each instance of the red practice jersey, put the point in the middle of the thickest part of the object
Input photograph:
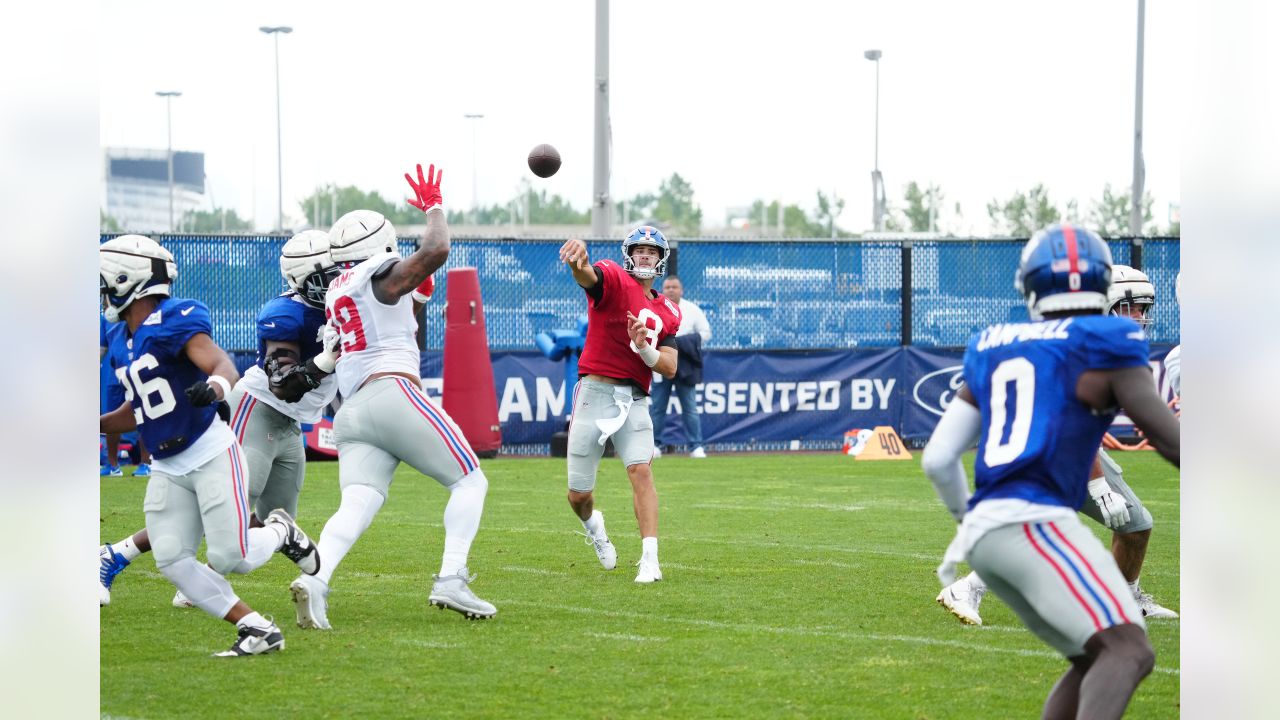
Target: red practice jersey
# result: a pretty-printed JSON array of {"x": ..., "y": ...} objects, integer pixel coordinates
[{"x": 608, "y": 349}]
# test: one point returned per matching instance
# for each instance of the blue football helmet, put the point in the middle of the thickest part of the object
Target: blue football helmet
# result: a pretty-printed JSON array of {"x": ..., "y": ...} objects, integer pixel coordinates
[
  {"x": 1064, "y": 267},
  {"x": 645, "y": 235}
]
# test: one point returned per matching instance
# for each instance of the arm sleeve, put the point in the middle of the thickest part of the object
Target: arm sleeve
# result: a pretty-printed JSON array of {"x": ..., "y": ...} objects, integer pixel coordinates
[
  {"x": 596, "y": 292},
  {"x": 958, "y": 430}
]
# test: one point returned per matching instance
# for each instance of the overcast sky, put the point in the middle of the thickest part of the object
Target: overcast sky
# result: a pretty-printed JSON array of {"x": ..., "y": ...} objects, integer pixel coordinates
[{"x": 744, "y": 99}]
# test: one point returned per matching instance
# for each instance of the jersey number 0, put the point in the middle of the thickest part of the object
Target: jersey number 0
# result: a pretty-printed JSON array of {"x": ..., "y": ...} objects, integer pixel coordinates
[{"x": 1022, "y": 375}]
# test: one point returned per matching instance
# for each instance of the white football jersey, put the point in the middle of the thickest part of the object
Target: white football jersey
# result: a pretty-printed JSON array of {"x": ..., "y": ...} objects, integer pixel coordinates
[
  {"x": 375, "y": 337},
  {"x": 307, "y": 410}
]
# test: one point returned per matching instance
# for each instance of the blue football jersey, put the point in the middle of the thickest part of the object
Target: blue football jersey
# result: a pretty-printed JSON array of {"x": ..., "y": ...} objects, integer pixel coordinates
[
  {"x": 287, "y": 319},
  {"x": 158, "y": 372},
  {"x": 1038, "y": 440}
]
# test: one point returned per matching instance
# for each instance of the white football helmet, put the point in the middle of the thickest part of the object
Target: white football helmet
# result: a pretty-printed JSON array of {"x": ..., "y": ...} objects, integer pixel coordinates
[
  {"x": 359, "y": 235},
  {"x": 132, "y": 267},
  {"x": 1131, "y": 294},
  {"x": 1177, "y": 288},
  {"x": 307, "y": 267}
]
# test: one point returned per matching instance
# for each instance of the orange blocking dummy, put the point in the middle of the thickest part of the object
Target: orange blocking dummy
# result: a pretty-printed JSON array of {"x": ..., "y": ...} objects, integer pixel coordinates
[{"x": 469, "y": 397}]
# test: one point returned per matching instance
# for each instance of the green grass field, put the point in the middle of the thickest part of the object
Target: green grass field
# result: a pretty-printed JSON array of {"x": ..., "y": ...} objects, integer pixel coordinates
[{"x": 795, "y": 586}]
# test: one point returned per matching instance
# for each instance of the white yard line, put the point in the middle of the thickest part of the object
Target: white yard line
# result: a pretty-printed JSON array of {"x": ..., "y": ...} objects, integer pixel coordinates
[{"x": 813, "y": 632}]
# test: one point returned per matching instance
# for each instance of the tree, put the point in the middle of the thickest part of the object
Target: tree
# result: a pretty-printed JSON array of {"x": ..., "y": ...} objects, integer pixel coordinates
[
  {"x": 828, "y": 209},
  {"x": 922, "y": 208},
  {"x": 1110, "y": 215},
  {"x": 326, "y": 204},
  {"x": 675, "y": 206},
  {"x": 108, "y": 224},
  {"x": 215, "y": 221},
  {"x": 1023, "y": 213}
]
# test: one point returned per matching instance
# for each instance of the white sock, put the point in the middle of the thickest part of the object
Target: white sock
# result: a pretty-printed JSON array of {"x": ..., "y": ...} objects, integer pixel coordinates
[
  {"x": 205, "y": 588},
  {"x": 1133, "y": 587},
  {"x": 254, "y": 620},
  {"x": 649, "y": 548},
  {"x": 462, "y": 520},
  {"x": 359, "y": 504},
  {"x": 976, "y": 583},
  {"x": 263, "y": 543},
  {"x": 595, "y": 523},
  {"x": 127, "y": 549}
]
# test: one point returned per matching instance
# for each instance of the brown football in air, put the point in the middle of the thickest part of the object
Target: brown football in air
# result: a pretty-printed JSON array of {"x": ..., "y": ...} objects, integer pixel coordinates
[{"x": 544, "y": 160}]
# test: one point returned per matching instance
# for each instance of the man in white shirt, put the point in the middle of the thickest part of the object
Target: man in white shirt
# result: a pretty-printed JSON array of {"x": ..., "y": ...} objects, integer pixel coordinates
[{"x": 694, "y": 333}]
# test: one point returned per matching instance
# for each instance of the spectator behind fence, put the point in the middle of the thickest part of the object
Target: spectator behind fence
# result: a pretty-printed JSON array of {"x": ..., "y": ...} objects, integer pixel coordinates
[{"x": 693, "y": 334}]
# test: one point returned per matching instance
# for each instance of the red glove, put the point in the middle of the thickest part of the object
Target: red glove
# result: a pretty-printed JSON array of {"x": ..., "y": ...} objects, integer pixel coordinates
[
  {"x": 423, "y": 292},
  {"x": 427, "y": 191}
]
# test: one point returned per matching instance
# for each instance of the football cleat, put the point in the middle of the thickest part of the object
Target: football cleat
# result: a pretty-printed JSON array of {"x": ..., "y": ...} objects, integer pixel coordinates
[
  {"x": 111, "y": 471},
  {"x": 605, "y": 551},
  {"x": 311, "y": 601},
  {"x": 649, "y": 571},
  {"x": 698, "y": 453},
  {"x": 961, "y": 600},
  {"x": 181, "y": 601},
  {"x": 255, "y": 641},
  {"x": 453, "y": 592},
  {"x": 110, "y": 563},
  {"x": 143, "y": 470},
  {"x": 657, "y": 452},
  {"x": 1150, "y": 609},
  {"x": 297, "y": 546}
]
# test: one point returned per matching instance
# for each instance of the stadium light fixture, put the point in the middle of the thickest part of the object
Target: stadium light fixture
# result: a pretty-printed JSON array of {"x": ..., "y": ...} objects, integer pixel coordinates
[
  {"x": 877, "y": 181},
  {"x": 275, "y": 33},
  {"x": 168, "y": 96}
]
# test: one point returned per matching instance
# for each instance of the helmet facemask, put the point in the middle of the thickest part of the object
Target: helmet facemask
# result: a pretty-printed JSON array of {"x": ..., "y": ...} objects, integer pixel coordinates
[
  {"x": 307, "y": 266},
  {"x": 645, "y": 235}
]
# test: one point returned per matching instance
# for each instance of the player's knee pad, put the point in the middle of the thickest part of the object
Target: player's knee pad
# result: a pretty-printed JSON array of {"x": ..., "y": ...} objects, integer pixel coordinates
[
  {"x": 167, "y": 548},
  {"x": 224, "y": 560},
  {"x": 1139, "y": 520},
  {"x": 582, "y": 479}
]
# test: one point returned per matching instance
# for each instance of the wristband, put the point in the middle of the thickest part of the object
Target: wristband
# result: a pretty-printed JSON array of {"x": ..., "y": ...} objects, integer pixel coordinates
[
  {"x": 325, "y": 361},
  {"x": 437, "y": 206},
  {"x": 222, "y": 383},
  {"x": 650, "y": 355},
  {"x": 423, "y": 292}
]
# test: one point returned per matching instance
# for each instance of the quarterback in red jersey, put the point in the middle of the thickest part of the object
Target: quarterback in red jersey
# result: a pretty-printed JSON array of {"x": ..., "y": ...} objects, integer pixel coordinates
[{"x": 630, "y": 335}]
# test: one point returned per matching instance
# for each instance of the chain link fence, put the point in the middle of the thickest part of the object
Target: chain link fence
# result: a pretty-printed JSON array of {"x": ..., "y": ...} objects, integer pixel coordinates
[{"x": 792, "y": 295}]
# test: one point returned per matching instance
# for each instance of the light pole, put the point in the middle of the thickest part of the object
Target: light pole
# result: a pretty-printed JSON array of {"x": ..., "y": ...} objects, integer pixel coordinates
[
  {"x": 877, "y": 181},
  {"x": 275, "y": 33},
  {"x": 168, "y": 96},
  {"x": 475, "y": 185},
  {"x": 1139, "y": 169}
]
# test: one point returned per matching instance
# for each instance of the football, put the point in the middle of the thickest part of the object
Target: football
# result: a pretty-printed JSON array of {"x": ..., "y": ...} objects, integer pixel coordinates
[{"x": 544, "y": 160}]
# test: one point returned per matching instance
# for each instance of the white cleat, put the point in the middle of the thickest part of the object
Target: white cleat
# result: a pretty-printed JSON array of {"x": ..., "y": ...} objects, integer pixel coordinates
[
  {"x": 1150, "y": 609},
  {"x": 962, "y": 601},
  {"x": 698, "y": 453},
  {"x": 657, "y": 453},
  {"x": 649, "y": 571},
  {"x": 607, "y": 554},
  {"x": 311, "y": 601},
  {"x": 453, "y": 592},
  {"x": 181, "y": 601}
]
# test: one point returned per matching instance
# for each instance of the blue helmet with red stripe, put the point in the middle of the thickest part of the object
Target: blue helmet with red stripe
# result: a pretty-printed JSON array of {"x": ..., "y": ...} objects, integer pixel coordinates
[{"x": 1064, "y": 267}]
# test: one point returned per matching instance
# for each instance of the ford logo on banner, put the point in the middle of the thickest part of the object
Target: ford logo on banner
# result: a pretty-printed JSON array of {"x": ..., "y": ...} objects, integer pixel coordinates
[{"x": 934, "y": 391}]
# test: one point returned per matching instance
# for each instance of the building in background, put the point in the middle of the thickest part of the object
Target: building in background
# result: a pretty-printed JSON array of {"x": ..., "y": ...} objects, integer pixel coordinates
[{"x": 136, "y": 188}]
